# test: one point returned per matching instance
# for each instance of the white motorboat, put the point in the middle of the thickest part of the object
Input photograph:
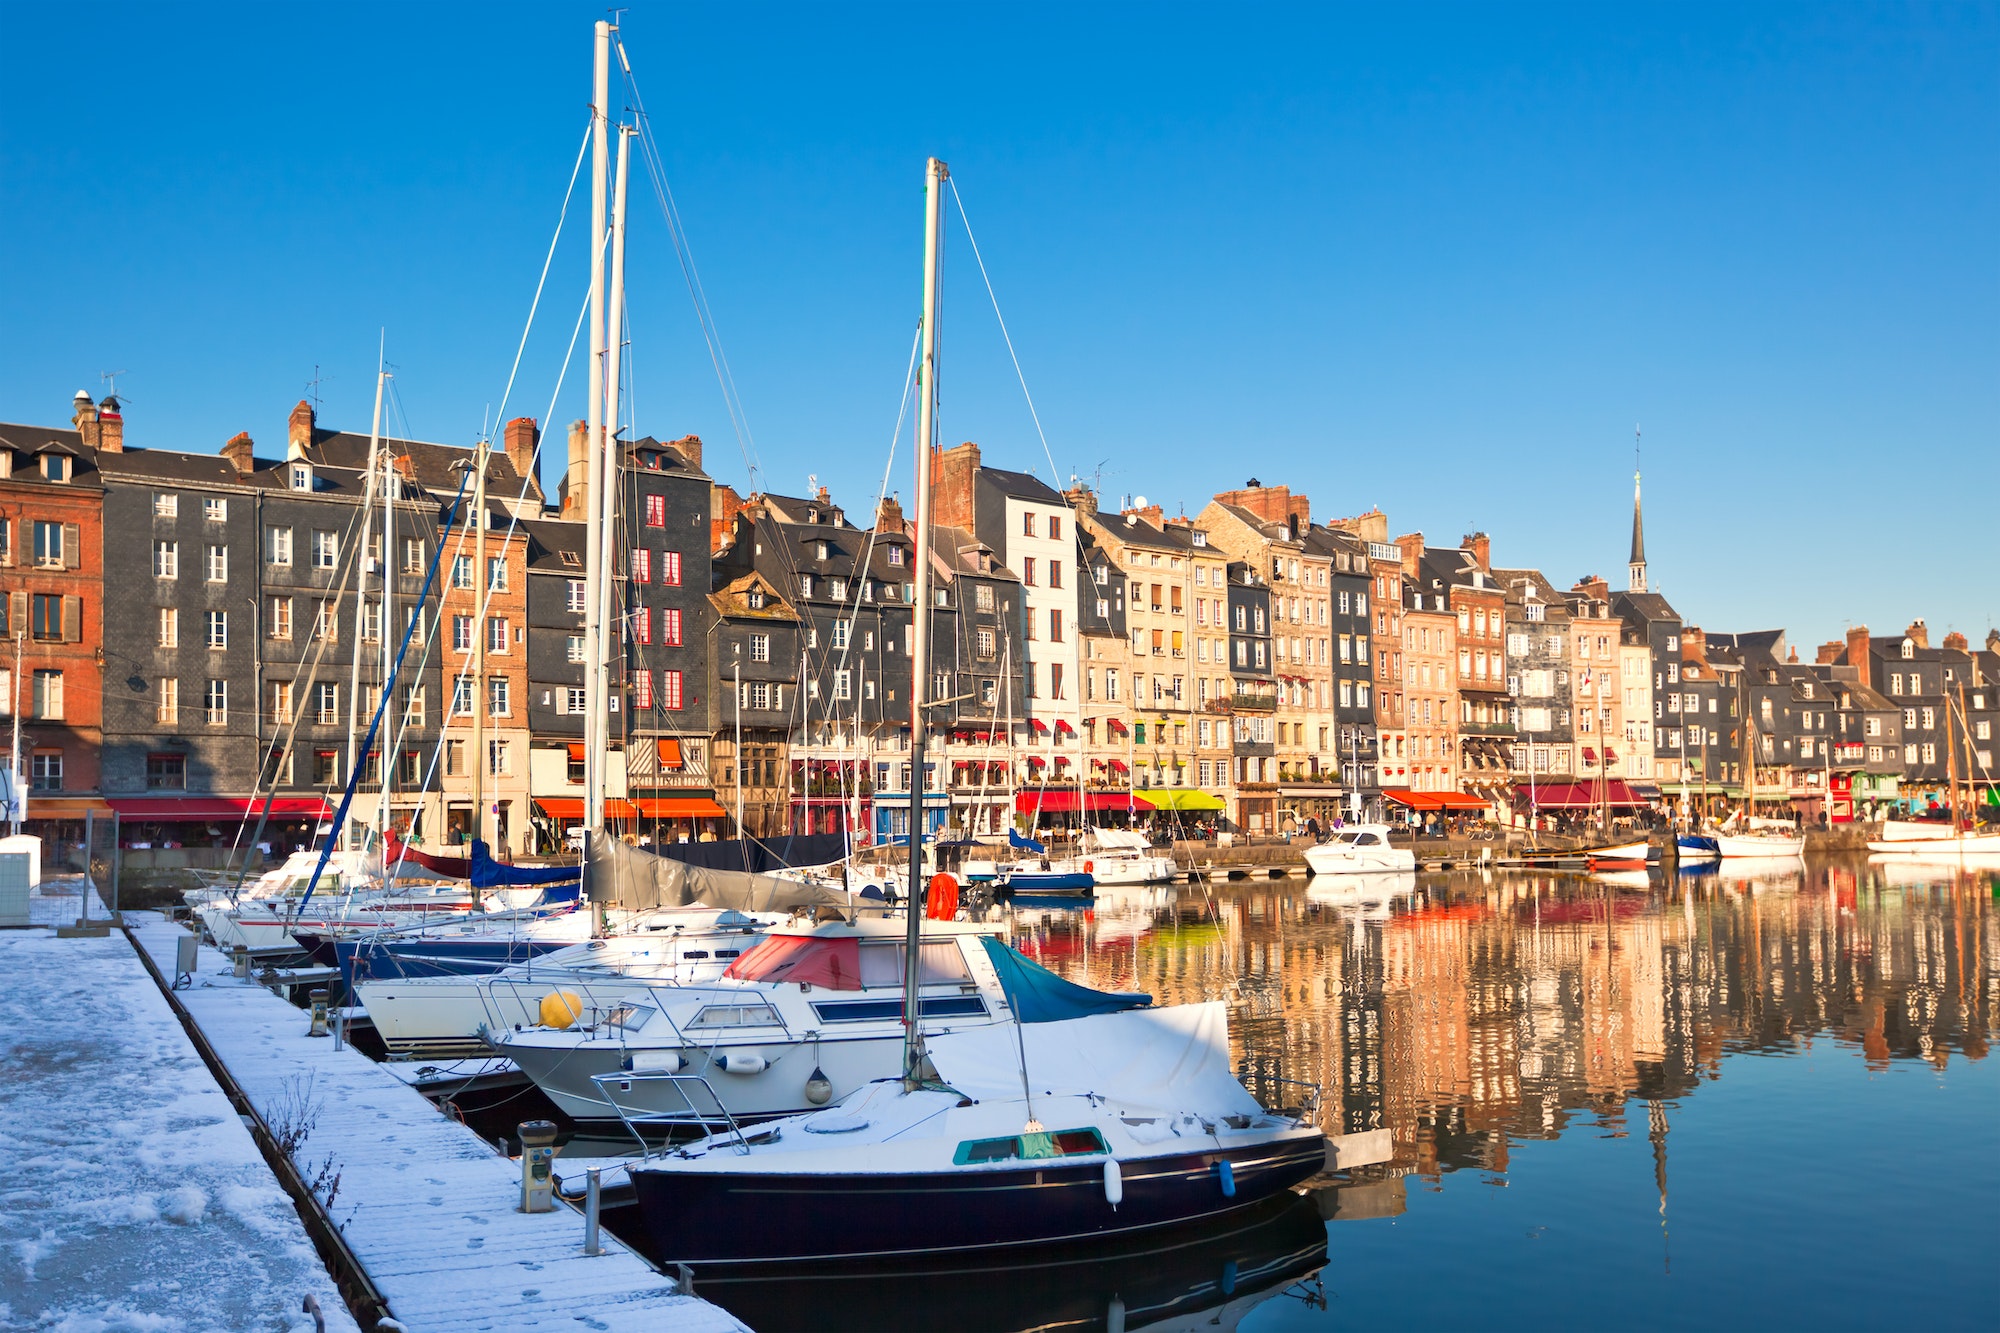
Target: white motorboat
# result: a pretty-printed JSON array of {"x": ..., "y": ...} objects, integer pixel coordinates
[
  {"x": 808, "y": 1014},
  {"x": 1764, "y": 844},
  {"x": 1933, "y": 839},
  {"x": 1115, "y": 856},
  {"x": 1359, "y": 849}
]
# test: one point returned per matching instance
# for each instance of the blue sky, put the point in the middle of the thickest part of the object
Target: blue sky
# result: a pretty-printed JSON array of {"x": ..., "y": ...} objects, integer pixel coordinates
[{"x": 1437, "y": 259}]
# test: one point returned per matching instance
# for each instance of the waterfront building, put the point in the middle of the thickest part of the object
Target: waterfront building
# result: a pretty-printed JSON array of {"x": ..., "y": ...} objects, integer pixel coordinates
[
  {"x": 1385, "y": 593},
  {"x": 1648, "y": 687},
  {"x": 1353, "y": 746},
  {"x": 757, "y": 661},
  {"x": 1596, "y": 682},
  {"x": 1430, "y": 672},
  {"x": 1538, "y": 679},
  {"x": 555, "y": 667},
  {"x": 1252, "y": 703},
  {"x": 1485, "y": 730},
  {"x": 978, "y": 677},
  {"x": 1104, "y": 641}
]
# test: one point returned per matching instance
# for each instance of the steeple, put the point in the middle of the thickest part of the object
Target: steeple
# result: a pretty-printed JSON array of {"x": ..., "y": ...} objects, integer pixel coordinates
[{"x": 1637, "y": 567}]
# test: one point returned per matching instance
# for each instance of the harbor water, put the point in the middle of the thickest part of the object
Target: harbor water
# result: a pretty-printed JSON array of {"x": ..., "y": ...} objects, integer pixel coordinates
[{"x": 1727, "y": 1099}]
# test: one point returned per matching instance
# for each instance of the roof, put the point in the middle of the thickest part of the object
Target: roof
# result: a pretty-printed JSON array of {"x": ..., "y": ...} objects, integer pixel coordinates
[
  {"x": 171, "y": 465},
  {"x": 1021, "y": 485},
  {"x": 429, "y": 464},
  {"x": 732, "y": 599},
  {"x": 1644, "y": 606},
  {"x": 548, "y": 540}
]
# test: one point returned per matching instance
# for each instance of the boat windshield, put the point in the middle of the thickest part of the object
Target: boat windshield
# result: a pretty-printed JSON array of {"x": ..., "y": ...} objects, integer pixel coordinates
[
  {"x": 1057, "y": 1143},
  {"x": 832, "y": 963}
]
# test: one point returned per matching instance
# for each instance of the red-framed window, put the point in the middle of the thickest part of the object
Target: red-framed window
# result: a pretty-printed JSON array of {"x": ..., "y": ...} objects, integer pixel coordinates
[{"x": 656, "y": 511}]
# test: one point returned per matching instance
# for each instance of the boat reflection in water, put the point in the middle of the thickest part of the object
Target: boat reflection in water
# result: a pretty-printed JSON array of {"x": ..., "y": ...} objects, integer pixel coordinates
[{"x": 1207, "y": 1278}]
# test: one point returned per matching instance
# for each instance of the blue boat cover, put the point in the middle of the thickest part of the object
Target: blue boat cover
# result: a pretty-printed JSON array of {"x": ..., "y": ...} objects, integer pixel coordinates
[
  {"x": 488, "y": 873},
  {"x": 1025, "y": 844},
  {"x": 759, "y": 856},
  {"x": 1040, "y": 996}
]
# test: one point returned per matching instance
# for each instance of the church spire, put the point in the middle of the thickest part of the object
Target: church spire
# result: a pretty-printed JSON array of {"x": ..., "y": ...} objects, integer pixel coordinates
[{"x": 1637, "y": 568}]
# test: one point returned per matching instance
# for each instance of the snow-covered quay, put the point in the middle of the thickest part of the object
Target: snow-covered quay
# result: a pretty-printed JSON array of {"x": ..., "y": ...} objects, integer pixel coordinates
[{"x": 135, "y": 1198}]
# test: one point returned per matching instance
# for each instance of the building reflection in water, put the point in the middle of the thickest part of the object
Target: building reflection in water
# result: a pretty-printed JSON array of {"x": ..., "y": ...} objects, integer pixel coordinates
[{"x": 1464, "y": 1012}]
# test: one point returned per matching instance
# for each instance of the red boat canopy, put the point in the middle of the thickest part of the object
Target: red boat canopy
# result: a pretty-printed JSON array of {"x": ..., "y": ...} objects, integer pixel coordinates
[{"x": 1436, "y": 800}]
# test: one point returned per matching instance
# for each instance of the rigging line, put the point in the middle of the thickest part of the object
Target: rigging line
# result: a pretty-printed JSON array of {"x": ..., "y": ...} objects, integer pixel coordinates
[
  {"x": 1055, "y": 477},
  {"x": 649, "y": 153},
  {"x": 542, "y": 282}
]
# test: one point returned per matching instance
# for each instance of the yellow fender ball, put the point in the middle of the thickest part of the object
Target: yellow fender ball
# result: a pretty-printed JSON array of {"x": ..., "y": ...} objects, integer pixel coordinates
[{"x": 560, "y": 1009}]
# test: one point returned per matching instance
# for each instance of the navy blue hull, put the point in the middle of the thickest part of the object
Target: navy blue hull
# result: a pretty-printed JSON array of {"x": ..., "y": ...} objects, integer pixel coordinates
[
  {"x": 733, "y": 1217},
  {"x": 399, "y": 959}
]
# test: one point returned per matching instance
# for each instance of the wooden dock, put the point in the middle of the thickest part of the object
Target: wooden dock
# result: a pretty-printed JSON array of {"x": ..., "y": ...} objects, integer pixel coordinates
[{"x": 426, "y": 1207}]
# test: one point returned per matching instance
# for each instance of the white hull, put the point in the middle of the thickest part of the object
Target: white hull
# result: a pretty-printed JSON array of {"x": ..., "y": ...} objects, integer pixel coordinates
[{"x": 1744, "y": 846}]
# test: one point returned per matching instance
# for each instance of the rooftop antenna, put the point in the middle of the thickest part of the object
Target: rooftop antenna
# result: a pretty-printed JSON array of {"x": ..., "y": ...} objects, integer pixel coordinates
[
  {"x": 110, "y": 378},
  {"x": 312, "y": 387}
]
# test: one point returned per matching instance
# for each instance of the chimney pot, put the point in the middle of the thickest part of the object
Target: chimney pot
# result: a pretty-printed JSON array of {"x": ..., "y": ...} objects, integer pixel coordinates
[
  {"x": 239, "y": 452},
  {"x": 1918, "y": 633},
  {"x": 521, "y": 436},
  {"x": 299, "y": 430}
]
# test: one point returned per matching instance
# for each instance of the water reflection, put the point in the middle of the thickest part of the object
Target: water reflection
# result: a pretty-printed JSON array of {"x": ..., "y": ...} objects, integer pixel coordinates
[{"x": 1468, "y": 1012}]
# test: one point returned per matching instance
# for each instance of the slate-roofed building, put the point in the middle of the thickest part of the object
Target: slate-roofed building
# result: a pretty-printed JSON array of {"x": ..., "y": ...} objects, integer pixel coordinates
[
  {"x": 1538, "y": 677},
  {"x": 1352, "y": 746},
  {"x": 757, "y": 658}
]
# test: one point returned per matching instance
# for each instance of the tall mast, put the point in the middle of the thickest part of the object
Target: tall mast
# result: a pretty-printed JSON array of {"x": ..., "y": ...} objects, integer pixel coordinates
[
  {"x": 604, "y": 498},
  {"x": 361, "y": 597},
  {"x": 596, "y": 678},
  {"x": 389, "y": 638},
  {"x": 484, "y": 584},
  {"x": 935, "y": 174}
]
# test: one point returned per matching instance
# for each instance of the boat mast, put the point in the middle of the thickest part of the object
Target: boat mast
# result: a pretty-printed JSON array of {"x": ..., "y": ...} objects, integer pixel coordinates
[
  {"x": 935, "y": 174},
  {"x": 605, "y": 499},
  {"x": 388, "y": 623},
  {"x": 484, "y": 583},
  {"x": 597, "y": 681},
  {"x": 361, "y": 596}
]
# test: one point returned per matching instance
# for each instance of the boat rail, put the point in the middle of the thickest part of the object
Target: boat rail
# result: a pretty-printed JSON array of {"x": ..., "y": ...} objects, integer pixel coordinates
[{"x": 682, "y": 1084}]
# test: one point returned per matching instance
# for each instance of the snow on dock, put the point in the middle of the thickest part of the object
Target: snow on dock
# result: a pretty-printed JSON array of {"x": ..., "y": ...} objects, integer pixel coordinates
[
  {"x": 427, "y": 1207},
  {"x": 135, "y": 1197}
]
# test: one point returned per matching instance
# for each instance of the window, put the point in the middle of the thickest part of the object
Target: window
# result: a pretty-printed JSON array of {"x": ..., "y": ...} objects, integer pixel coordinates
[
  {"x": 670, "y": 568},
  {"x": 414, "y": 705},
  {"x": 6, "y": 541},
  {"x": 760, "y": 647},
  {"x": 1055, "y": 528},
  {"x": 1056, "y": 625},
  {"x": 574, "y": 603},
  {"x": 670, "y": 689},
  {"x": 461, "y": 696},
  {"x": 982, "y": 597},
  {"x": 54, "y": 618},
  {"x": 326, "y": 624},
  {"x": 218, "y": 629},
  {"x": 281, "y": 701},
  {"x": 461, "y": 634},
  {"x": 328, "y": 708},
  {"x": 840, "y": 633},
  {"x": 301, "y": 477},
  {"x": 166, "y": 772},
  {"x": 166, "y": 559},
  {"x": 843, "y": 685},
  {"x": 496, "y": 573},
  {"x": 656, "y": 511},
  {"x": 642, "y": 565},
  {"x": 670, "y": 626},
  {"x": 497, "y": 634},
  {"x": 1028, "y": 524},
  {"x": 642, "y": 625},
  {"x": 575, "y": 701},
  {"x": 218, "y": 703},
  {"x": 215, "y": 510},
  {"x": 166, "y": 506},
  {"x": 170, "y": 627},
  {"x": 498, "y": 699},
  {"x": 45, "y": 770},
  {"x": 984, "y": 642},
  {"x": 1055, "y": 575},
  {"x": 1930, "y": 753},
  {"x": 575, "y": 648},
  {"x": 167, "y": 707},
  {"x": 413, "y": 555},
  {"x": 499, "y": 759},
  {"x": 326, "y": 549},
  {"x": 279, "y": 618},
  {"x": 642, "y": 689},
  {"x": 461, "y": 577}
]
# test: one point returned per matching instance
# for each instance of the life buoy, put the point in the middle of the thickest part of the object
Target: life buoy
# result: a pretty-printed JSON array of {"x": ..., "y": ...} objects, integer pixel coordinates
[
  {"x": 941, "y": 900},
  {"x": 1090, "y": 867}
]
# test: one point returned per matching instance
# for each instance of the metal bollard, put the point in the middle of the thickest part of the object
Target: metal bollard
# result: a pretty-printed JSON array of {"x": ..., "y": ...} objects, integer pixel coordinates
[
  {"x": 685, "y": 1276},
  {"x": 339, "y": 1028},
  {"x": 538, "y": 1146},
  {"x": 317, "y": 998},
  {"x": 240, "y": 960},
  {"x": 592, "y": 1201}
]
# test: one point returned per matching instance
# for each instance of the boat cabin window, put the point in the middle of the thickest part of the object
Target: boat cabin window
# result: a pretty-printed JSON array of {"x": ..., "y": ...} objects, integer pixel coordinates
[
  {"x": 631, "y": 1017},
  {"x": 1367, "y": 840},
  {"x": 1031, "y": 1147},
  {"x": 882, "y": 964},
  {"x": 735, "y": 1016}
]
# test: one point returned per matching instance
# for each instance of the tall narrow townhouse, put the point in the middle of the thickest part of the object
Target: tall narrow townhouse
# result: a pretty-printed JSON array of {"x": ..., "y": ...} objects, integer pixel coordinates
[
  {"x": 1353, "y": 745},
  {"x": 1597, "y": 685},
  {"x": 1430, "y": 687},
  {"x": 1385, "y": 593},
  {"x": 1538, "y": 679},
  {"x": 1253, "y": 703}
]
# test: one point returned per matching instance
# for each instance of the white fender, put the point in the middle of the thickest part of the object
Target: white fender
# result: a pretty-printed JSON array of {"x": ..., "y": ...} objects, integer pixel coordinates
[
  {"x": 1114, "y": 1183},
  {"x": 742, "y": 1062},
  {"x": 665, "y": 1061}
]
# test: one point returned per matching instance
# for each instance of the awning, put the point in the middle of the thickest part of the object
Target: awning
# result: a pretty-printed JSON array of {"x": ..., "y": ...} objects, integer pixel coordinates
[
  {"x": 1410, "y": 800},
  {"x": 644, "y": 807},
  {"x": 1036, "y": 761},
  {"x": 211, "y": 807},
  {"x": 1063, "y": 800},
  {"x": 1062, "y": 725},
  {"x": 64, "y": 807},
  {"x": 1038, "y": 724},
  {"x": 1614, "y": 792},
  {"x": 576, "y": 754},
  {"x": 1118, "y": 766},
  {"x": 1117, "y": 725},
  {"x": 1458, "y": 800},
  {"x": 1589, "y": 755},
  {"x": 1179, "y": 798},
  {"x": 669, "y": 751},
  {"x": 1610, "y": 755}
]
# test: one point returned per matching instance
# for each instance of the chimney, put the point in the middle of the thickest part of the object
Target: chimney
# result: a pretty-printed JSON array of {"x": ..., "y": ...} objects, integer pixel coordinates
[
  {"x": 1993, "y": 641},
  {"x": 1955, "y": 641},
  {"x": 1273, "y": 504},
  {"x": 520, "y": 437},
  {"x": 575, "y": 492},
  {"x": 111, "y": 425},
  {"x": 1082, "y": 499},
  {"x": 238, "y": 452},
  {"x": 889, "y": 515},
  {"x": 1918, "y": 633},
  {"x": 299, "y": 431},
  {"x": 1794, "y": 657},
  {"x": 1481, "y": 547},
  {"x": 1594, "y": 586},
  {"x": 1857, "y": 653},
  {"x": 1694, "y": 643},
  {"x": 954, "y": 474},
  {"x": 1152, "y": 514},
  {"x": 1829, "y": 653},
  {"x": 84, "y": 418},
  {"x": 1412, "y": 544},
  {"x": 689, "y": 448}
]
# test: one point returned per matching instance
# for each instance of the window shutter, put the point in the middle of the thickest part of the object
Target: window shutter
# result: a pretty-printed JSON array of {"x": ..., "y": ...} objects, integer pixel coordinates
[
  {"x": 17, "y": 612},
  {"x": 72, "y": 546},
  {"x": 72, "y": 625}
]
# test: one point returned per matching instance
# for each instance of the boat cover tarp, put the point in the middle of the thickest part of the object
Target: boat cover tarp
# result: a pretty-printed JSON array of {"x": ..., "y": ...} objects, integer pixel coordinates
[
  {"x": 1040, "y": 996},
  {"x": 488, "y": 873},
  {"x": 1015, "y": 840},
  {"x": 637, "y": 879},
  {"x": 1174, "y": 1058},
  {"x": 399, "y": 853},
  {"x": 760, "y": 856}
]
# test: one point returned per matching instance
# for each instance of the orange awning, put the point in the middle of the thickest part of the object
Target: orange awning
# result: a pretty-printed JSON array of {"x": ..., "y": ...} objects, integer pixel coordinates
[
  {"x": 561, "y": 807},
  {"x": 576, "y": 754},
  {"x": 644, "y": 807},
  {"x": 670, "y": 752}
]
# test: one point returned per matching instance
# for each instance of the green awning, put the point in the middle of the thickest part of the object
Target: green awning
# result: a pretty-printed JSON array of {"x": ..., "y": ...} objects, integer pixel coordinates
[{"x": 1180, "y": 798}]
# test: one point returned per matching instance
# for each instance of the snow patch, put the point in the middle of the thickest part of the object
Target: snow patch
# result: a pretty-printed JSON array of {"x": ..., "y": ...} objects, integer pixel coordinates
[{"x": 184, "y": 1205}]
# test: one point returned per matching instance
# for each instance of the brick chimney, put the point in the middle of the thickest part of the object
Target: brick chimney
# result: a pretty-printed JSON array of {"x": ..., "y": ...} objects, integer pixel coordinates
[
  {"x": 239, "y": 452},
  {"x": 1955, "y": 641},
  {"x": 1993, "y": 641},
  {"x": 299, "y": 430},
  {"x": 1412, "y": 544},
  {"x": 84, "y": 418},
  {"x": 1082, "y": 499},
  {"x": 689, "y": 448},
  {"x": 1918, "y": 633},
  {"x": 1694, "y": 643},
  {"x": 1273, "y": 504},
  {"x": 1857, "y": 653},
  {"x": 724, "y": 504},
  {"x": 111, "y": 425},
  {"x": 1152, "y": 514},
  {"x": 953, "y": 475},
  {"x": 520, "y": 438},
  {"x": 1829, "y": 653},
  {"x": 1481, "y": 547},
  {"x": 574, "y": 494},
  {"x": 889, "y": 515}
]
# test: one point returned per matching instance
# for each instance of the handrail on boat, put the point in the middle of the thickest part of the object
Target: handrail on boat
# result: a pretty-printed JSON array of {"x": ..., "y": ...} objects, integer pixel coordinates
[{"x": 679, "y": 1081}]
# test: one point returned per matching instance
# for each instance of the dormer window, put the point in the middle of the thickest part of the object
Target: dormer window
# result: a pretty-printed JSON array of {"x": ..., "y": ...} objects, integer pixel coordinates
[
  {"x": 1200, "y": 538},
  {"x": 895, "y": 555},
  {"x": 822, "y": 546},
  {"x": 1909, "y": 650},
  {"x": 572, "y": 560},
  {"x": 755, "y": 599},
  {"x": 302, "y": 477},
  {"x": 55, "y": 467}
]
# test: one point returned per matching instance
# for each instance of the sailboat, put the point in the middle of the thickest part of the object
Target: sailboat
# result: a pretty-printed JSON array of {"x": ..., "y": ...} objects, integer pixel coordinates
[{"x": 1008, "y": 1134}]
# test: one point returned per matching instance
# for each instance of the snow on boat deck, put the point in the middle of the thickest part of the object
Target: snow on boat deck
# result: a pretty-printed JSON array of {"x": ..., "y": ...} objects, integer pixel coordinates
[
  {"x": 135, "y": 1197},
  {"x": 426, "y": 1205}
]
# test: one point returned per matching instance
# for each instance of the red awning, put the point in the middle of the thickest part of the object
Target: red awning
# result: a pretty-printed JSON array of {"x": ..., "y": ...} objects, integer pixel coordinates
[
  {"x": 1038, "y": 724},
  {"x": 561, "y": 807},
  {"x": 1062, "y": 725},
  {"x": 669, "y": 751},
  {"x": 576, "y": 754},
  {"x": 1115, "y": 724},
  {"x": 1118, "y": 766},
  {"x": 1615, "y": 792},
  {"x": 1412, "y": 800},
  {"x": 1458, "y": 800},
  {"x": 1589, "y": 755},
  {"x": 1062, "y": 800},
  {"x": 1610, "y": 755},
  {"x": 216, "y": 807},
  {"x": 643, "y": 807}
]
